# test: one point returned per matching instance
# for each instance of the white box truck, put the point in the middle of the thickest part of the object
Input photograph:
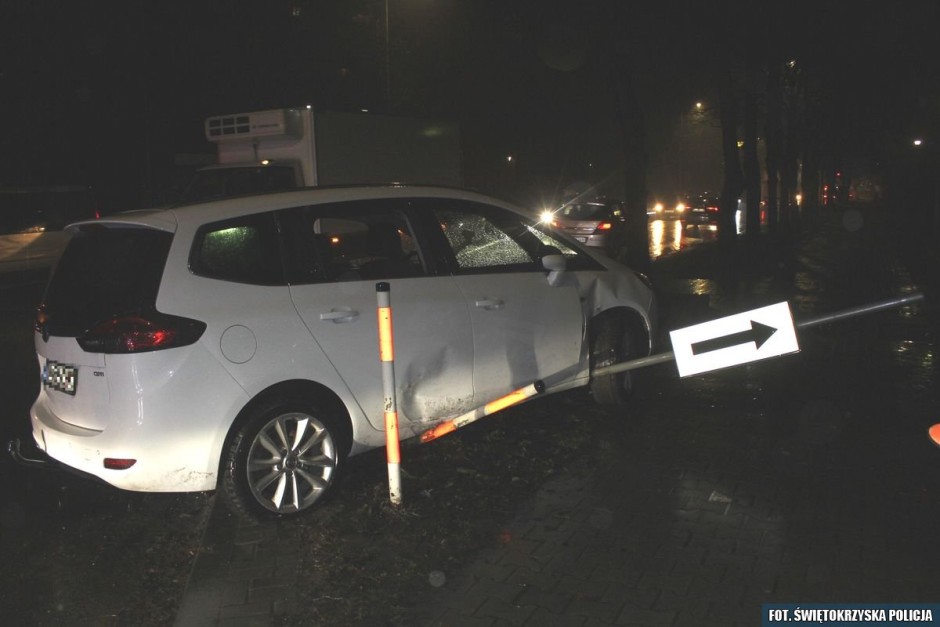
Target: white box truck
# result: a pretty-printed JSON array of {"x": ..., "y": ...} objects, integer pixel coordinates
[{"x": 303, "y": 147}]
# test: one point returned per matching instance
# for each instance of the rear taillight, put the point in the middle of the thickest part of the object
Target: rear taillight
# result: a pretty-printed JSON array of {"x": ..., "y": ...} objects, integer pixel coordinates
[
  {"x": 604, "y": 226},
  {"x": 141, "y": 333},
  {"x": 711, "y": 209},
  {"x": 112, "y": 463}
]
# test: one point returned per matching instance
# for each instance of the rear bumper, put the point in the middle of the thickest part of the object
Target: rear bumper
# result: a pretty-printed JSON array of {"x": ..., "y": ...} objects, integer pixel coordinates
[
  {"x": 35, "y": 458},
  {"x": 161, "y": 466}
]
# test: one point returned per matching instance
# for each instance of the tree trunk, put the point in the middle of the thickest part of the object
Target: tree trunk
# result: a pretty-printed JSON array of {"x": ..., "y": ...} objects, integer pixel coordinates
[
  {"x": 790, "y": 162},
  {"x": 733, "y": 179},
  {"x": 633, "y": 144},
  {"x": 751, "y": 164},
  {"x": 772, "y": 133}
]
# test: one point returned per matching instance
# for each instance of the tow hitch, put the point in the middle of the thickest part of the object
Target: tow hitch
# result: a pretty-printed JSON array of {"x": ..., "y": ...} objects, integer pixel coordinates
[{"x": 41, "y": 461}]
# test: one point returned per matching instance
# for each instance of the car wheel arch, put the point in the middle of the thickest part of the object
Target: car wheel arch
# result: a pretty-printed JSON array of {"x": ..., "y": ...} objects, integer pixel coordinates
[
  {"x": 317, "y": 394},
  {"x": 614, "y": 336},
  {"x": 631, "y": 318}
]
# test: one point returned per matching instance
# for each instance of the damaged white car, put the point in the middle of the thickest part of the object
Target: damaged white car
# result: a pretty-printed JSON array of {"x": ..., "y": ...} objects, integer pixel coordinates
[{"x": 233, "y": 344}]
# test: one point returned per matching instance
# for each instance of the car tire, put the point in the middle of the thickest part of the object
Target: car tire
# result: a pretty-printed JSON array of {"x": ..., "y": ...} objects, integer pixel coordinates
[
  {"x": 284, "y": 460},
  {"x": 611, "y": 343}
]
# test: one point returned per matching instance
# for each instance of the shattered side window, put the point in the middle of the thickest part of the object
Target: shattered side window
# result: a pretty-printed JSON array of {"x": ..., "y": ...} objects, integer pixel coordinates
[
  {"x": 477, "y": 242},
  {"x": 548, "y": 240}
]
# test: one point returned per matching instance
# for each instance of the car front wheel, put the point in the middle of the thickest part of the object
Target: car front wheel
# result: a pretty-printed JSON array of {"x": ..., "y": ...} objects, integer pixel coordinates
[
  {"x": 283, "y": 461},
  {"x": 611, "y": 343}
]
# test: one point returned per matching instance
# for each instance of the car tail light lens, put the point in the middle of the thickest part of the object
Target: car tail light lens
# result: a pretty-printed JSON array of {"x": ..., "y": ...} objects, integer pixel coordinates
[
  {"x": 711, "y": 209},
  {"x": 141, "y": 333},
  {"x": 604, "y": 226},
  {"x": 112, "y": 463}
]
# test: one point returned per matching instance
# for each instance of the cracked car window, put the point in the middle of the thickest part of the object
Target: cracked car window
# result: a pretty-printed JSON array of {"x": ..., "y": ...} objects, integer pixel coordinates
[
  {"x": 478, "y": 243},
  {"x": 548, "y": 240}
]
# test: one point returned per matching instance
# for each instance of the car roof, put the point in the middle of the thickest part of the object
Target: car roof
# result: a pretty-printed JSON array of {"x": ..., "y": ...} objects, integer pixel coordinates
[{"x": 169, "y": 218}]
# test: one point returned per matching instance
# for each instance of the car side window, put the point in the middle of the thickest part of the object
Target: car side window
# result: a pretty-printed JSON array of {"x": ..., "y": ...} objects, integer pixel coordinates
[
  {"x": 480, "y": 238},
  {"x": 351, "y": 241},
  {"x": 553, "y": 242},
  {"x": 485, "y": 239},
  {"x": 242, "y": 250}
]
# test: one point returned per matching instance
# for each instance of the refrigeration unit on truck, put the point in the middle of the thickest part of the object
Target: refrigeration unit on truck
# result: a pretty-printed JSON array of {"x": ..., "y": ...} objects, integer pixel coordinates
[{"x": 303, "y": 147}]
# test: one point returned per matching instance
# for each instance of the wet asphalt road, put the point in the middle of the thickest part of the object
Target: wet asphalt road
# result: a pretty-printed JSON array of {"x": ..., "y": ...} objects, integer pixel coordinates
[{"x": 847, "y": 412}]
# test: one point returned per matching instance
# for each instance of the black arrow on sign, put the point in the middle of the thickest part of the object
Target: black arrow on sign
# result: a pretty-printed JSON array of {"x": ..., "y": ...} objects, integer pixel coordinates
[{"x": 758, "y": 333}]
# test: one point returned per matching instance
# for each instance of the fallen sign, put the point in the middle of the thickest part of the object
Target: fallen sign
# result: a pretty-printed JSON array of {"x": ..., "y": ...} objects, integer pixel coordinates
[
  {"x": 660, "y": 358},
  {"x": 733, "y": 340}
]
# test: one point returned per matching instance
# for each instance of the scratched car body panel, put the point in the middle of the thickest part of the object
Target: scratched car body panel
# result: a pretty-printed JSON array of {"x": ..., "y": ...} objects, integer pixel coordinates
[{"x": 183, "y": 324}]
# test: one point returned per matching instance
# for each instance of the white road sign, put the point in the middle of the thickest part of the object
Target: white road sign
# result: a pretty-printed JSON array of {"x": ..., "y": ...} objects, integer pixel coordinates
[{"x": 733, "y": 340}]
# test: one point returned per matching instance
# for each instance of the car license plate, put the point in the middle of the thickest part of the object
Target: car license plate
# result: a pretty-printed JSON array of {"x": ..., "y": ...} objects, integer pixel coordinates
[
  {"x": 61, "y": 377},
  {"x": 580, "y": 239}
]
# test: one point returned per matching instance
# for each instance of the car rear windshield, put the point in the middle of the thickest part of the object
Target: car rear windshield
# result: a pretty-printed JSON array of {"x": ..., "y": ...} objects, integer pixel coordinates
[
  {"x": 102, "y": 273},
  {"x": 585, "y": 212}
]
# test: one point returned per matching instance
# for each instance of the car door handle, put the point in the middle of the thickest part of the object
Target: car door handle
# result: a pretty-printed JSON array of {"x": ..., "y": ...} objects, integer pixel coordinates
[
  {"x": 490, "y": 303},
  {"x": 338, "y": 316}
]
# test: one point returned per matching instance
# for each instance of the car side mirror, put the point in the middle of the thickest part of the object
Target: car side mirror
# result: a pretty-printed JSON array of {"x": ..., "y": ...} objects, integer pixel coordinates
[{"x": 556, "y": 266}]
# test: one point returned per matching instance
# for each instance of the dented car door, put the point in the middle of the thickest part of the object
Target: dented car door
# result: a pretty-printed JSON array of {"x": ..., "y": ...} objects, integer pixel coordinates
[
  {"x": 342, "y": 252},
  {"x": 526, "y": 327}
]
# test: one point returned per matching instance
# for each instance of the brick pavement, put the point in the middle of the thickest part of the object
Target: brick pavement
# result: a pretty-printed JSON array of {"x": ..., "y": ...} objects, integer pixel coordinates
[{"x": 818, "y": 486}]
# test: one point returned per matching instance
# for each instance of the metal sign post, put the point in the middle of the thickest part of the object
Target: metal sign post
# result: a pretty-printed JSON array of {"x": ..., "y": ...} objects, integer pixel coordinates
[
  {"x": 660, "y": 358},
  {"x": 387, "y": 357}
]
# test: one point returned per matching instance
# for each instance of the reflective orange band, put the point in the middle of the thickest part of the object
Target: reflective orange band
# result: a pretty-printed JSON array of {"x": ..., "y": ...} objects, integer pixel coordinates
[
  {"x": 386, "y": 352},
  {"x": 442, "y": 429},
  {"x": 510, "y": 399},
  {"x": 392, "y": 448},
  {"x": 934, "y": 433}
]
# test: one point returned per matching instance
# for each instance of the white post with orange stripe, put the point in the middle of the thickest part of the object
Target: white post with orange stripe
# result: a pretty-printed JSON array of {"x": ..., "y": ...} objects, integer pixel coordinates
[
  {"x": 387, "y": 357},
  {"x": 514, "y": 397}
]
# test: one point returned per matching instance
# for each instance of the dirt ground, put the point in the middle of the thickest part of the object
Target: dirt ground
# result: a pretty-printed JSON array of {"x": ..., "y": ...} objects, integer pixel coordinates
[{"x": 369, "y": 562}]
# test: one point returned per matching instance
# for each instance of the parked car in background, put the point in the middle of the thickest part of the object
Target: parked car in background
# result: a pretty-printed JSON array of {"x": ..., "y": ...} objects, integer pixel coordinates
[
  {"x": 233, "y": 343},
  {"x": 32, "y": 220},
  {"x": 600, "y": 224},
  {"x": 701, "y": 209}
]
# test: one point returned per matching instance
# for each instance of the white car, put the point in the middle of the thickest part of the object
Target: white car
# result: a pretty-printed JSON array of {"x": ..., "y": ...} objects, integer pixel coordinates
[{"x": 233, "y": 344}]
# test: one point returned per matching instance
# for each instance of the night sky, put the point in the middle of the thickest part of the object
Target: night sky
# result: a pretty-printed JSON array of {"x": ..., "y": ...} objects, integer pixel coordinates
[{"x": 113, "y": 94}]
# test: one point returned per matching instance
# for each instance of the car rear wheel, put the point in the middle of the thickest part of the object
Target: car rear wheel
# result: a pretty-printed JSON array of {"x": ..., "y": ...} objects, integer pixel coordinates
[
  {"x": 611, "y": 343},
  {"x": 283, "y": 461}
]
